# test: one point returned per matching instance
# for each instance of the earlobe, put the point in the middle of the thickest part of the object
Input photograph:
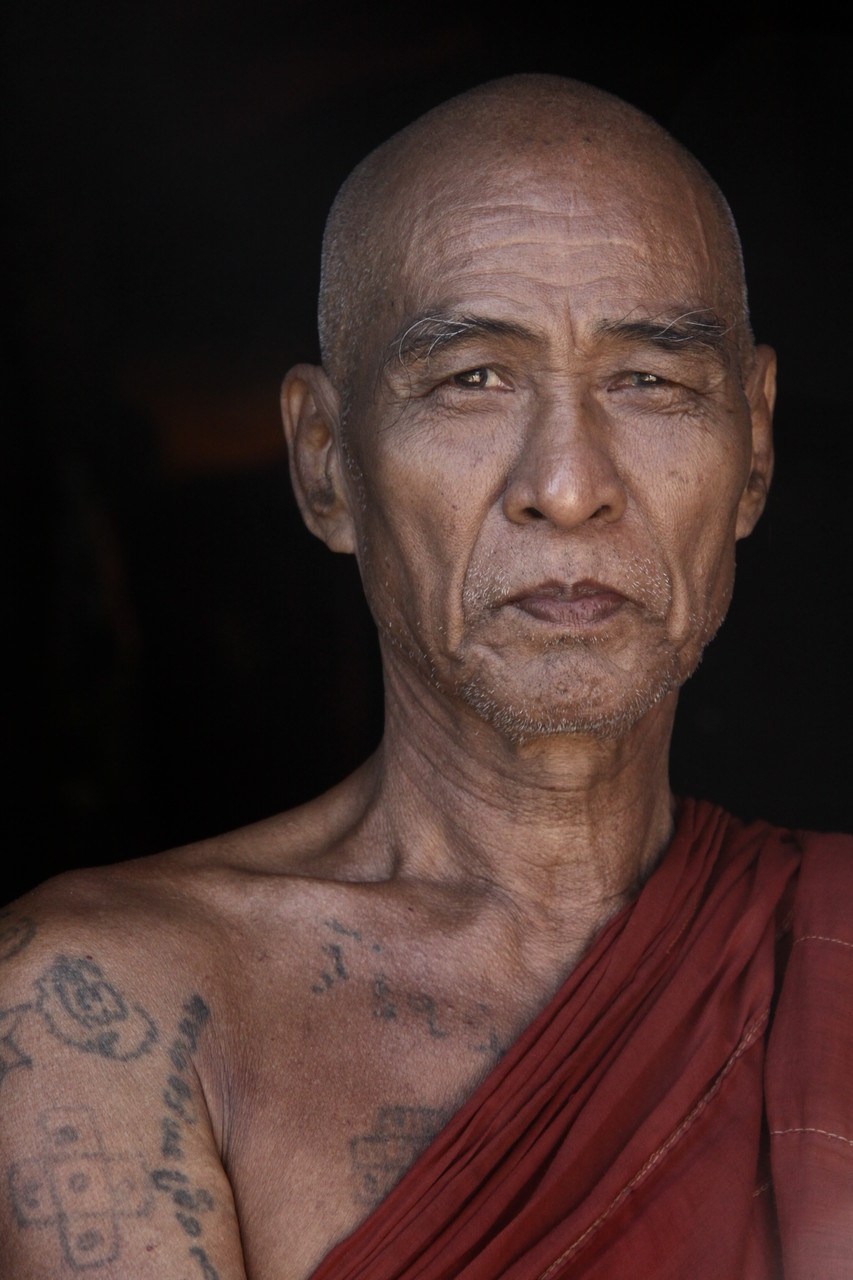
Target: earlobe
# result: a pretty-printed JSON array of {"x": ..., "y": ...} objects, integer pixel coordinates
[
  {"x": 761, "y": 397},
  {"x": 310, "y": 411}
]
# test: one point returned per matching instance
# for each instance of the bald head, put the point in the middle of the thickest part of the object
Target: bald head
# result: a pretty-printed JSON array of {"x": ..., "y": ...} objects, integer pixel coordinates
[{"x": 494, "y": 139}]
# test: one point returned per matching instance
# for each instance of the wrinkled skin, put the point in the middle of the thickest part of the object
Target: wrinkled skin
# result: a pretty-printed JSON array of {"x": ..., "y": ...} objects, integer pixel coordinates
[{"x": 491, "y": 473}]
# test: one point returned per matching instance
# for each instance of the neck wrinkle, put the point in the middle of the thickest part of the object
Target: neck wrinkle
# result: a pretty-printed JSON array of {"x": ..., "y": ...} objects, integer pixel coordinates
[{"x": 558, "y": 826}]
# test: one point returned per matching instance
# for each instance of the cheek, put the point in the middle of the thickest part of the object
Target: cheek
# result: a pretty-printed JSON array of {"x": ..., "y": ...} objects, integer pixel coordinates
[
  {"x": 414, "y": 538},
  {"x": 424, "y": 493},
  {"x": 699, "y": 543}
]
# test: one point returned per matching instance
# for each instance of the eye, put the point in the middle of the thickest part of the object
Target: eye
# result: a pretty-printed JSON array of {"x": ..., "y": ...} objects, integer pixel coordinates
[
  {"x": 638, "y": 390},
  {"x": 482, "y": 379}
]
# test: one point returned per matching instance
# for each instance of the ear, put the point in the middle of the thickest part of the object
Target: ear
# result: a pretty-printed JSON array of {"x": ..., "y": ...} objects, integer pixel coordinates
[
  {"x": 310, "y": 411},
  {"x": 761, "y": 396}
]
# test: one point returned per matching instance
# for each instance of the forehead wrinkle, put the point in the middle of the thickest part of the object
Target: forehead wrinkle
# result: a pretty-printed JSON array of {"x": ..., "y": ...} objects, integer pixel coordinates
[
  {"x": 548, "y": 198},
  {"x": 474, "y": 252},
  {"x": 503, "y": 136},
  {"x": 582, "y": 232}
]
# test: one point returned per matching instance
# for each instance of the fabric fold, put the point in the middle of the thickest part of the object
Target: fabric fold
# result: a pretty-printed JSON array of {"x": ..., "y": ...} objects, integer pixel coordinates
[{"x": 623, "y": 1131}]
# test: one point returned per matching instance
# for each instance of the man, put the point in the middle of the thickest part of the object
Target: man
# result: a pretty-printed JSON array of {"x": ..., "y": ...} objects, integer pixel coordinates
[{"x": 497, "y": 1005}]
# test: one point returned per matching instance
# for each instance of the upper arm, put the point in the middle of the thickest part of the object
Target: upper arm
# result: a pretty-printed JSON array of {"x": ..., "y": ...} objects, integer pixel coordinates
[{"x": 108, "y": 1161}]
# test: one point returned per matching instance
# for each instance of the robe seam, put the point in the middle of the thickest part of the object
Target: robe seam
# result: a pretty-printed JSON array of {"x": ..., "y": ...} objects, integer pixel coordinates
[
  {"x": 750, "y": 1033},
  {"x": 822, "y": 937},
  {"x": 826, "y": 1133}
]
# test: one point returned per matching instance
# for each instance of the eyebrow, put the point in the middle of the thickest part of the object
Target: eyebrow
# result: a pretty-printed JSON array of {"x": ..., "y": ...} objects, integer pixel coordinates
[
  {"x": 684, "y": 332},
  {"x": 430, "y": 334}
]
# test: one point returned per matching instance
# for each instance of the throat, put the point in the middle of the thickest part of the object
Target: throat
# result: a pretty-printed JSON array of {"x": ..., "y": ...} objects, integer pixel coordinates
[{"x": 573, "y": 828}]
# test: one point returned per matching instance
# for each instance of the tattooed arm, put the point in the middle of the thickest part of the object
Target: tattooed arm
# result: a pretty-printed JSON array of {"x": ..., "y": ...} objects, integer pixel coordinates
[{"x": 108, "y": 1162}]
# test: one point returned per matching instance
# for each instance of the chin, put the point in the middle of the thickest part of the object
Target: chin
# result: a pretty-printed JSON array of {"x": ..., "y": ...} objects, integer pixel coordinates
[{"x": 590, "y": 714}]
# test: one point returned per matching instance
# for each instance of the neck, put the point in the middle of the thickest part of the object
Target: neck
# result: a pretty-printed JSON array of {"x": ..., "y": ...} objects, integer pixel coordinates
[{"x": 564, "y": 826}]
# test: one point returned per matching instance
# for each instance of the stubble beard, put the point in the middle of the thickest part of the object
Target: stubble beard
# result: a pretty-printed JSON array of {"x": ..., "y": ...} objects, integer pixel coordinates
[
  {"x": 605, "y": 702},
  {"x": 585, "y": 714}
]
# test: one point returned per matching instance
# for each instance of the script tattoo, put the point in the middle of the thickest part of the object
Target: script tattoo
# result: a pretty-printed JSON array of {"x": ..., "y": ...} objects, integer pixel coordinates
[
  {"x": 85, "y": 1011},
  {"x": 339, "y": 973},
  {"x": 491, "y": 1047},
  {"x": 16, "y": 932},
  {"x": 79, "y": 1189},
  {"x": 335, "y": 969},
  {"x": 379, "y": 1159},
  {"x": 387, "y": 1005},
  {"x": 189, "y": 1203},
  {"x": 384, "y": 1005},
  {"x": 394, "y": 1003}
]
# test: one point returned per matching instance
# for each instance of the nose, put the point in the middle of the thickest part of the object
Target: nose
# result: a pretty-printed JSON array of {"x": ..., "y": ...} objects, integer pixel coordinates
[{"x": 565, "y": 472}]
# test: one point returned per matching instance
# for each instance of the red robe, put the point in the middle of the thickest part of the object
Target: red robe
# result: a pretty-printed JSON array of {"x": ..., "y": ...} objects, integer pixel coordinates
[{"x": 683, "y": 1106}]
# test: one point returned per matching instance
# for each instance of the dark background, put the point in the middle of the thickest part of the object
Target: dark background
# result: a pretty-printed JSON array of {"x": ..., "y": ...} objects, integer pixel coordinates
[{"x": 185, "y": 657}]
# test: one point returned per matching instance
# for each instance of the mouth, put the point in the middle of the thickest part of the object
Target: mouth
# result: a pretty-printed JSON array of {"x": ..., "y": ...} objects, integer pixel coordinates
[{"x": 575, "y": 605}]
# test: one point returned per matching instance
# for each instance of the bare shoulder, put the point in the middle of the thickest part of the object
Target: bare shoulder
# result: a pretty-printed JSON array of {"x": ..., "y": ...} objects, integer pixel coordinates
[
  {"x": 61, "y": 941},
  {"x": 106, "y": 961},
  {"x": 127, "y": 963},
  {"x": 146, "y": 922},
  {"x": 184, "y": 1028},
  {"x": 109, "y": 1158},
  {"x": 169, "y": 916},
  {"x": 124, "y": 991}
]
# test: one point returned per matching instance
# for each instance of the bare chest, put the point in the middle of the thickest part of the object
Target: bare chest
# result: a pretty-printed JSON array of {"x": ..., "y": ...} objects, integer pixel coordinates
[{"x": 343, "y": 1085}]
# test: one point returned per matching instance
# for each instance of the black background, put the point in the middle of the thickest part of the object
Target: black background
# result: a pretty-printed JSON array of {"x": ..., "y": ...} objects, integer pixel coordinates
[{"x": 185, "y": 657}]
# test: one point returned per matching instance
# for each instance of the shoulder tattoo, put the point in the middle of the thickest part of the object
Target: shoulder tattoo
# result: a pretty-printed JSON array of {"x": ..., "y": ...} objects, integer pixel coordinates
[{"x": 82, "y": 1009}]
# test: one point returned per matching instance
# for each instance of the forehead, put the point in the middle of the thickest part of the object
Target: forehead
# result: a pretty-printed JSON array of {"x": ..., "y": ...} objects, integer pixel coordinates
[{"x": 557, "y": 241}]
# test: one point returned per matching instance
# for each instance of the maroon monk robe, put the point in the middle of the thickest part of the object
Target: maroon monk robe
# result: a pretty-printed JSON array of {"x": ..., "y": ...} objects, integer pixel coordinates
[{"x": 658, "y": 1117}]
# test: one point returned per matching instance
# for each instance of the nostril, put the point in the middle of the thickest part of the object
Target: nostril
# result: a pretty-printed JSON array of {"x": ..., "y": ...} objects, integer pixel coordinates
[{"x": 534, "y": 513}]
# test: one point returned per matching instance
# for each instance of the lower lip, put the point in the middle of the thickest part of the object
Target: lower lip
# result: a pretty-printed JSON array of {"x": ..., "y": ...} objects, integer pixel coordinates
[{"x": 583, "y": 611}]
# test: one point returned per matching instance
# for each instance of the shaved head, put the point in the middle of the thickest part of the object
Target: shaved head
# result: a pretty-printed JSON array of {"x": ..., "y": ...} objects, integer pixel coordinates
[
  {"x": 490, "y": 139},
  {"x": 538, "y": 374}
]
